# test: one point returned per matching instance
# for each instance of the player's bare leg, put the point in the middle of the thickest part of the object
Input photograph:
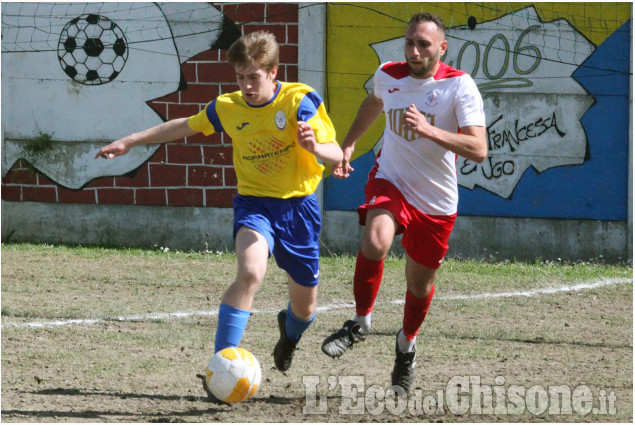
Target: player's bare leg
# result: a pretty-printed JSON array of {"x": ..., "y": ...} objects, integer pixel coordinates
[
  {"x": 379, "y": 234},
  {"x": 252, "y": 252},
  {"x": 302, "y": 299}
]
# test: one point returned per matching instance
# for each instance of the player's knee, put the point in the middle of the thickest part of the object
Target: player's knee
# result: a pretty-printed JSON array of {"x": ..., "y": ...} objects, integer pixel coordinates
[
  {"x": 303, "y": 307},
  {"x": 303, "y": 311},
  {"x": 376, "y": 246},
  {"x": 250, "y": 277},
  {"x": 421, "y": 289},
  {"x": 421, "y": 283}
]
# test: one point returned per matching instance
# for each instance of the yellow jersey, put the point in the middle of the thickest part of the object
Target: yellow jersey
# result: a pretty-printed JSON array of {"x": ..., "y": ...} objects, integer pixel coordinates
[{"x": 267, "y": 157}]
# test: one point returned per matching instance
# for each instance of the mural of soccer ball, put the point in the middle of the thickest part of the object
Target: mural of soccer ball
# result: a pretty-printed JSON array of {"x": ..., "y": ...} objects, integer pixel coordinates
[
  {"x": 92, "y": 49},
  {"x": 233, "y": 375}
]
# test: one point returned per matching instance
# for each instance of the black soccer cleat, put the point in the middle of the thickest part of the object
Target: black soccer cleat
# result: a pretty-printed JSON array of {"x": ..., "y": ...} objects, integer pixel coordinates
[
  {"x": 403, "y": 374},
  {"x": 210, "y": 397},
  {"x": 336, "y": 344},
  {"x": 284, "y": 349}
]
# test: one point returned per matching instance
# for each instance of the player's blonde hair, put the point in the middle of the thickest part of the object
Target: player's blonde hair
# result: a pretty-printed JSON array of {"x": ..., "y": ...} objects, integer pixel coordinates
[{"x": 257, "y": 47}]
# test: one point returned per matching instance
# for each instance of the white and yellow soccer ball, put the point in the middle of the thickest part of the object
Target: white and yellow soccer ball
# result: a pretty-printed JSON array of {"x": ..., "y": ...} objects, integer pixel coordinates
[{"x": 233, "y": 375}]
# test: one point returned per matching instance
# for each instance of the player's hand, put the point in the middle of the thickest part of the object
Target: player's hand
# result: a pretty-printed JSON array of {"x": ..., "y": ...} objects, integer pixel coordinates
[
  {"x": 306, "y": 136},
  {"x": 342, "y": 170},
  {"x": 116, "y": 148},
  {"x": 414, "y": 120}
]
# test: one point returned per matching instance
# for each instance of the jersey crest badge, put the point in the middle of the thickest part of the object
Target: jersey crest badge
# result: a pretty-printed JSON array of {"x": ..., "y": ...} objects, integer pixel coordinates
[
  {"x": 281, "y": 120},
  {"x": 432, "y": 98}
]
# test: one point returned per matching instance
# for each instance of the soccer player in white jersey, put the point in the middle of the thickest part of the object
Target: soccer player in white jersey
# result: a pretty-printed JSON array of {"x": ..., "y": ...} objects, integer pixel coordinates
[
  {"x": 433, "y": 113},
  {"x": 279, "y": 130}
]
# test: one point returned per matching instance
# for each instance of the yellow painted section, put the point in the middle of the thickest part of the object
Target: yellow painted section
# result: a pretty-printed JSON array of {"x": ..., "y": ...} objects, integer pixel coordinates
[{"x": 353, "y": 27}]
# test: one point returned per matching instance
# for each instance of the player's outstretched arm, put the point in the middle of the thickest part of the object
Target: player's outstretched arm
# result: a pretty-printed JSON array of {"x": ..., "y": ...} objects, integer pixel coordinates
[
  {"x": 165, "y": 132},
  {"x": 368, "y": 112},
  {"x": 327, "y": 152}
]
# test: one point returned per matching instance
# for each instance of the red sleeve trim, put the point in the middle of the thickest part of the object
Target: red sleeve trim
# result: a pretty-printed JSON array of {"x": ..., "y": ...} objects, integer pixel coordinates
[
  {"x": 397, "y": 70},
  {"x": 446, "y": 71}
]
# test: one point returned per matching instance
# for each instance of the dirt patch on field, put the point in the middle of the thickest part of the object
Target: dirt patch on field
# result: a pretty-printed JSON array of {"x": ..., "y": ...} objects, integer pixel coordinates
[{"x": 119, "y": 337}]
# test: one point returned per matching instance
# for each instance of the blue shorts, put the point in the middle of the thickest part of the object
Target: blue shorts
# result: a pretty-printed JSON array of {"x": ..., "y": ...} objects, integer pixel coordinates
[{"x": 291, "y": 228}]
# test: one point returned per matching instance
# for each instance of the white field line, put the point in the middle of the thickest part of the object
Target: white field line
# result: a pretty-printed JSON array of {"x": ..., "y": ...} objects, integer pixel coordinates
[
  {"x": 163, "y": 316},
  {"x": 578, "y": 287}
]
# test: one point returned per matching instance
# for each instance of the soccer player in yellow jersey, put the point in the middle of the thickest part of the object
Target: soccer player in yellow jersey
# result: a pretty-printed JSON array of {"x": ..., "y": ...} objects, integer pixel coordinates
[{"x": 279, "y": 131}]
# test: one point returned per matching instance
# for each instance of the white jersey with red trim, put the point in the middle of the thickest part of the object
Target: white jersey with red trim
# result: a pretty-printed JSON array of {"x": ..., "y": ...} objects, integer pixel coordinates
[{"x": 423, "y": 171}]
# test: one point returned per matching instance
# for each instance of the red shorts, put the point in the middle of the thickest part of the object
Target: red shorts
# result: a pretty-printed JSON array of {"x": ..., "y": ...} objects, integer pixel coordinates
[{"x": 425, "y": 237}]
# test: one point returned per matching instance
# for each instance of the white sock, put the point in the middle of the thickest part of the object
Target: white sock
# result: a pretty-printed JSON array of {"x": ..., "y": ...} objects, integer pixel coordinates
[
  {"x": 404, "y": 345},
  {"x": 364, "y": 322}
]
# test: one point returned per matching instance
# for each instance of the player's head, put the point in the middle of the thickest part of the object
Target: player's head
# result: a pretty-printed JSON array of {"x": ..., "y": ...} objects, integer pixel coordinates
[
  {"x": 257, "y": 47},
  {"x": 425, "y": 44},
  {"x": 255, "y": 58},
  {"x": 428, "y": 17}
]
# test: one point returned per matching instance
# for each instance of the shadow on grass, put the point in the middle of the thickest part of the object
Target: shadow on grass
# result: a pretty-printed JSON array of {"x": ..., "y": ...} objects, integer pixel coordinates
[
  {"x": 536, "y": 341},
  {"x": 533, "y": 341},
  {"x": 107, "y": 415}
]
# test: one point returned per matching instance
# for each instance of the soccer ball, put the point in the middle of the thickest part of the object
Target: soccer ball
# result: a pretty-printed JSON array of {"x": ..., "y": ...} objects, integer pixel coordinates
[
  {"x": 92, "y": 49},
  {"x": 233, "y": 375}
]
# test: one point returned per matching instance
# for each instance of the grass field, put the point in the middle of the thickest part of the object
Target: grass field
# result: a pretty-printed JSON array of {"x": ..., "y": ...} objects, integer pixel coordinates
[{"x": 107, "y": 335}]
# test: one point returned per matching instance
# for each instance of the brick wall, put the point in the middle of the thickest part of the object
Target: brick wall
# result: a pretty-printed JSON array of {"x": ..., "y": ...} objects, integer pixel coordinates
[{"x": 193, "y": 172}]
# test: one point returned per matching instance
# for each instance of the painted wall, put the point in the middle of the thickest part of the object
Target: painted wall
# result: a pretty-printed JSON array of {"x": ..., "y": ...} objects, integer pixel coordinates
[
  {"x": 555, "y": 78},
  {"x": 172, "y": 65},
  {"x": 179, "y": 194}
]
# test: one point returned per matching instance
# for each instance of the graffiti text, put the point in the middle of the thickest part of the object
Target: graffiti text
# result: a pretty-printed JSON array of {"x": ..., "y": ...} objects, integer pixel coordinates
[
  {"x": 498, "y": 139},
  {"x": 517, "y": 53}
]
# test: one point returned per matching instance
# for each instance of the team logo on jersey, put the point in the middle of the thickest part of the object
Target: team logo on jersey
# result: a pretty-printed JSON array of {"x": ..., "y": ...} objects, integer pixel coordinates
[
  {"x": 393, "y": 90},
  {"x": 432, "y": 98},
  {"x": 281, "y": 120}
]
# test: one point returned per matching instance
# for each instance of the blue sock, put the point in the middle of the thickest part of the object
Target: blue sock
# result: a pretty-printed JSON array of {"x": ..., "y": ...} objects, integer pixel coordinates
[
  {"x": 295, "y": 327},
  {"x": 231, "y": 326}
]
